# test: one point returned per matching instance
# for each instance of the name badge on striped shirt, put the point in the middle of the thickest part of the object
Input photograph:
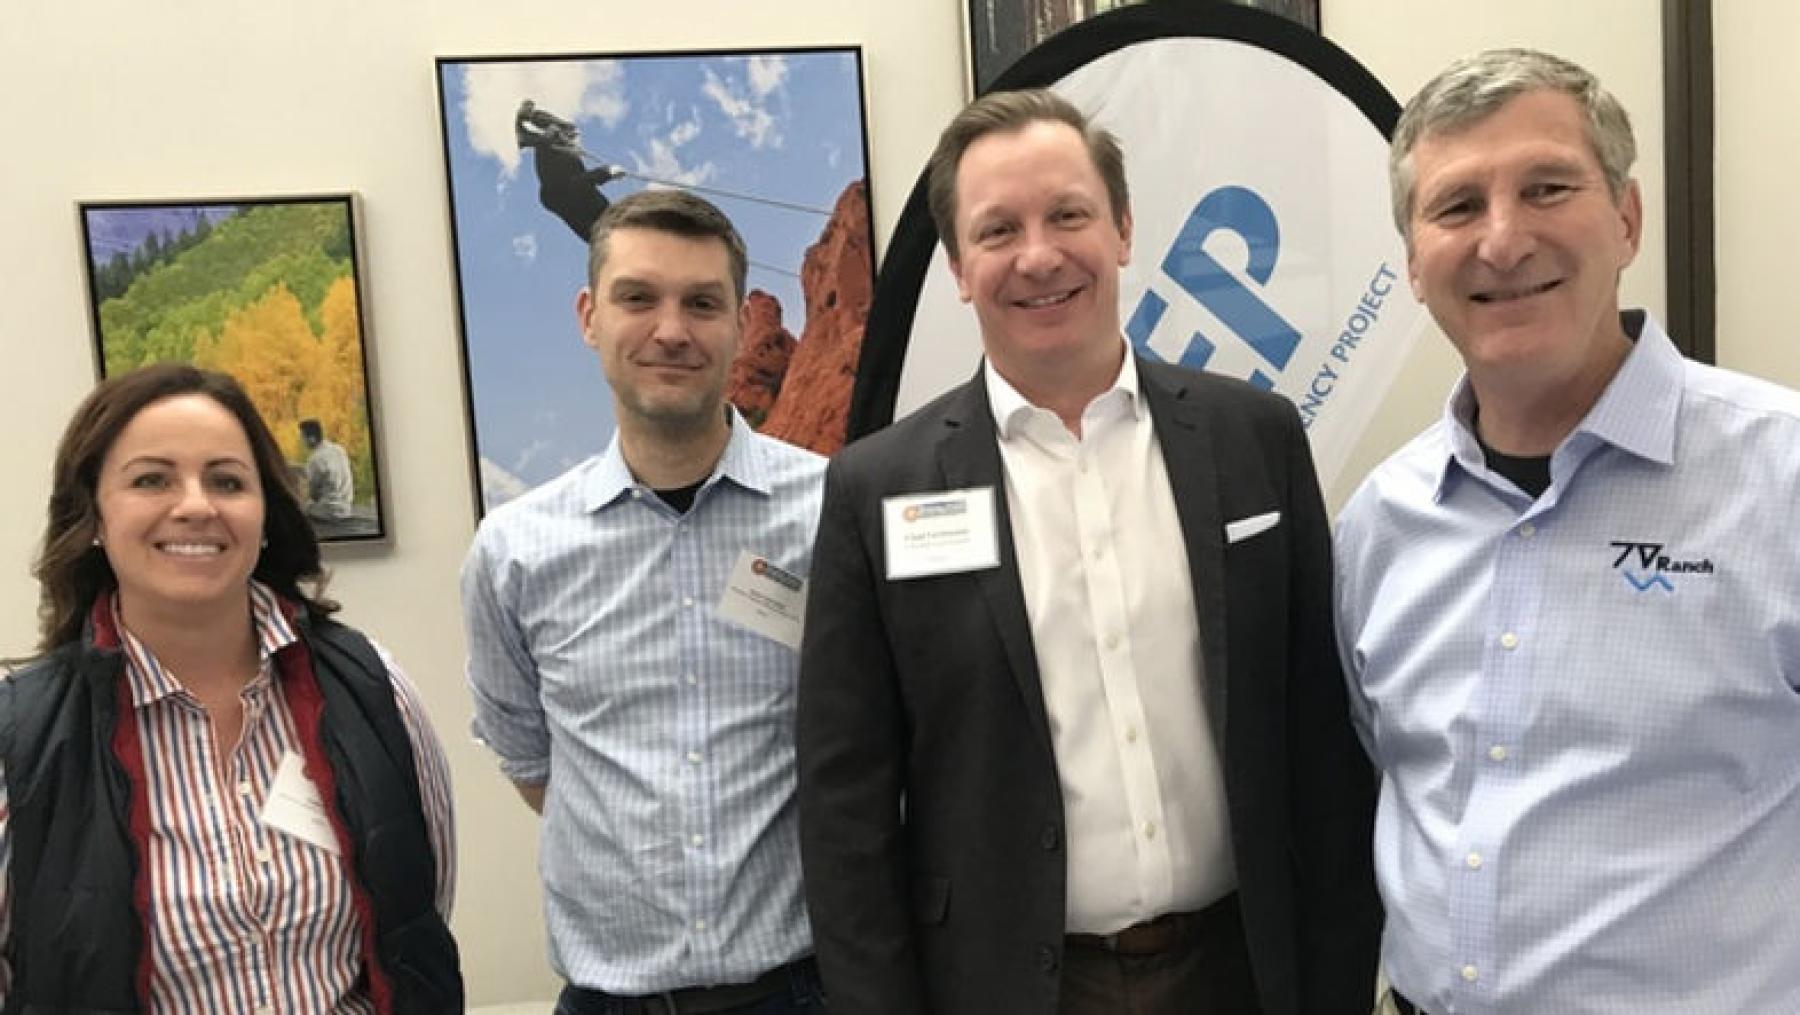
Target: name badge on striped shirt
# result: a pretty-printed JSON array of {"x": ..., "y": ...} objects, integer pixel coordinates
[
  {"x": 294, "y": 806},
  {"x": 765, "y": 599}
]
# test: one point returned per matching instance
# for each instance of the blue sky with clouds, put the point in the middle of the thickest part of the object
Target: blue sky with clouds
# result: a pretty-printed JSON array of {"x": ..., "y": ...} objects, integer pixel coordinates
[{"x": 780, "y": 126}]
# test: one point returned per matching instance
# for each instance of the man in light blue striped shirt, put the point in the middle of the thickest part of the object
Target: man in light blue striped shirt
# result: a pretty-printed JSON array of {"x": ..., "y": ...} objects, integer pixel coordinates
[
  {"x": 632, "y": 631},
  {"x": 1570, "y": 610}
]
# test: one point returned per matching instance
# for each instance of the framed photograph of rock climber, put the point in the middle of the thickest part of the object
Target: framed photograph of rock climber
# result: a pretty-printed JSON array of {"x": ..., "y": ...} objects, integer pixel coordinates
[
  {"x": 536, "y": 147},
  {"x": 1001, "y": 31},
  {"x": 268, "y": 290}
]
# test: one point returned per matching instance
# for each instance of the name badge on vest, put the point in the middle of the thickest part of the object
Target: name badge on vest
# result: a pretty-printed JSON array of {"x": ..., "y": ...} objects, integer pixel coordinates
[
  {"x": 765, "y": 599},
  {"x": 947, "y": 532},
  {"x": 294, "y": 806}
]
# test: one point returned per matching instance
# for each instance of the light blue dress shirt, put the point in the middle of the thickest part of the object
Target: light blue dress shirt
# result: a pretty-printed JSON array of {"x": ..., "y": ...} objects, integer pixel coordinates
[
  {"x": 598, "y": 660},
  {"x": 1585, "y": 706}
]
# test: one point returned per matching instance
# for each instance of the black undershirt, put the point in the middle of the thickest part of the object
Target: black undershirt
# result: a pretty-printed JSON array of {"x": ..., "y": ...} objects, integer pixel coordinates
[
  {"x": 682, "y": 497},
  {"x": 1530, "y": 474}
]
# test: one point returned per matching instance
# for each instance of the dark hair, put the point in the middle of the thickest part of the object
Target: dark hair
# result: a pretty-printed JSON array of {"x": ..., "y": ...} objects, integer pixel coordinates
[
  {"x": 72, "y": 572},
  {"x": 1010, "y": 113},
  {"x": 669, "y": 211},
  {"x": 310, "y": 429}
]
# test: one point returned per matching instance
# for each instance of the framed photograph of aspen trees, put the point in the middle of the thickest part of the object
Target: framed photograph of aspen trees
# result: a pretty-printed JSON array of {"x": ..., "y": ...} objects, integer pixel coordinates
[{"x": 267, "y": 290}]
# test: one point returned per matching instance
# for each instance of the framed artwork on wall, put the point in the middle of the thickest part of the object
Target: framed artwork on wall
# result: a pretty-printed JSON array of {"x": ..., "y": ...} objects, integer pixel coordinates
[
  {"x": 536, "y": 146},
  {"x": 268, "y": 290},
  {"x": 1001, "y": 31}
]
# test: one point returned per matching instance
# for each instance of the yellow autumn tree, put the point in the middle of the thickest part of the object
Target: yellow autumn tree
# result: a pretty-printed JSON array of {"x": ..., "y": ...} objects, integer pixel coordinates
[{"x": 268, "y": 346}]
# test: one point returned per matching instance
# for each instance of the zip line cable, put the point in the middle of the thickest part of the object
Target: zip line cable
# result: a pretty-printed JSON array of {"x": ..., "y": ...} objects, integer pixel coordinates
[{"x": 719, "y": 191}]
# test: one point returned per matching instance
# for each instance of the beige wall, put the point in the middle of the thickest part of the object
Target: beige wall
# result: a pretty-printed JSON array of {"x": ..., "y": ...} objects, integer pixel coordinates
[
  {"x": 1757, "y": 161},
  {"x": 216, "y": 98}
]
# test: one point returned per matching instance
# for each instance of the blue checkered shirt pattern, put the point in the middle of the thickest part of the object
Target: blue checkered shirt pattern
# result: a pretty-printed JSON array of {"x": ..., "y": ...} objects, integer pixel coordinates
[
  {"x": 598, "y": 661},
  {"x": 1586, "y": 705}
]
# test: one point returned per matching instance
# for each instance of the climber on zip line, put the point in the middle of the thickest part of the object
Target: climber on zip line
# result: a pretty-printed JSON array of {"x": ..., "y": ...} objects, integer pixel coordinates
[{"x": 566, "y": 186}]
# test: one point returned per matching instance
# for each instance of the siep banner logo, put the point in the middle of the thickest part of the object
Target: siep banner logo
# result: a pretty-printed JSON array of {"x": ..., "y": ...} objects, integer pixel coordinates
[{"x": 1239, "y": 302}]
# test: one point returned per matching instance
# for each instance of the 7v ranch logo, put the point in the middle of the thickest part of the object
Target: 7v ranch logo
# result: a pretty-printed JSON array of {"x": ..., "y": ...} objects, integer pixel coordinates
[{"x": 1645, "y": 566}]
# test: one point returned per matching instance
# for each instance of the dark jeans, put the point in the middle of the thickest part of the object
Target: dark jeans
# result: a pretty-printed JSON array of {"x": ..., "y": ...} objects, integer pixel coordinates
[{"x": 804, "y": 996}]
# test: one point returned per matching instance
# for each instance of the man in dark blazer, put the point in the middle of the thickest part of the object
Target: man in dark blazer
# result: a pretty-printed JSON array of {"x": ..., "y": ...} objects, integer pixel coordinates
[{"x": 1072, "y": 734}]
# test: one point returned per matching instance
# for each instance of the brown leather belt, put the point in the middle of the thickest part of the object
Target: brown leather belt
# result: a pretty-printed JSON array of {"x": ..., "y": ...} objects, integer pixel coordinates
[
  {"x": 1153, "y": 937},
  {"x": 704, "y": 1000}
]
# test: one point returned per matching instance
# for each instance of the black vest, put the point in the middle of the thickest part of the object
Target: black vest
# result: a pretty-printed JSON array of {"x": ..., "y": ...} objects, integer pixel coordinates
[{"x": 77, "y": 936}]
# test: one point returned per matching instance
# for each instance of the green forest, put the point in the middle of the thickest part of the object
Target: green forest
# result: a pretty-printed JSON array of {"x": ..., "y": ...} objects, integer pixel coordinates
[{"x": 267, "y": 295}]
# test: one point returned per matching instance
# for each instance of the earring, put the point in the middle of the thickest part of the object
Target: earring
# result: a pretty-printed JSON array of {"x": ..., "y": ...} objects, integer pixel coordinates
[
  {"x": 265, "y": 542},
  {"x": 98, "y": 541}
]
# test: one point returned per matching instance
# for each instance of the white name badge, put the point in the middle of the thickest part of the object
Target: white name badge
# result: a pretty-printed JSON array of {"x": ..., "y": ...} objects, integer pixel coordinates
[
  {"x": 940, "y": 533},
  {"x": 765, "y": 599},
  {"x": 294, "y": 806}
]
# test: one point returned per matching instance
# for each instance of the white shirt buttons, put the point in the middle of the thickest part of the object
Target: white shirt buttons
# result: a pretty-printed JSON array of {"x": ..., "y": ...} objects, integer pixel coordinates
[
  {"x": 1509, "y": 641},
  {"x": 1473, "y": 860},
  {"x": 1470, "y": 974},
  {"x": 1497, "y": 752}
]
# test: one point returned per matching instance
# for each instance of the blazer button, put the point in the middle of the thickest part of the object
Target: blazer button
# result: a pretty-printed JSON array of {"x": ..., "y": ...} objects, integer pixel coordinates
[
  {"x": 1046, "y": 956},
  {"x": 1050, "y": 838}
]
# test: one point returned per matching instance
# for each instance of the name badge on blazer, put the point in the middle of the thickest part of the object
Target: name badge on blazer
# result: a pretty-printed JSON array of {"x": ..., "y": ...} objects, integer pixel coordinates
[{"x": 946, "y": 532}]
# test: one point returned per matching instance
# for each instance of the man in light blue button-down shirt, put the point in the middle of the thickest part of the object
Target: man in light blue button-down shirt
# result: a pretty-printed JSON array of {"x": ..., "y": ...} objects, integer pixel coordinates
[
  {"x": 633, "y": 628},
  {"x": 1570, "y": 610}
]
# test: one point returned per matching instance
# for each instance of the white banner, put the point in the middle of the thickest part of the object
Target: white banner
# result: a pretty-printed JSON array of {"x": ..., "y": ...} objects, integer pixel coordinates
[{"x": 1263, "y": 246}]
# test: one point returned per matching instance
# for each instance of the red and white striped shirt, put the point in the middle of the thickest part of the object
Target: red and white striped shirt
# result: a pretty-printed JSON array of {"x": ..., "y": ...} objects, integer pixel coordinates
[{"x": 244, "y": 917}]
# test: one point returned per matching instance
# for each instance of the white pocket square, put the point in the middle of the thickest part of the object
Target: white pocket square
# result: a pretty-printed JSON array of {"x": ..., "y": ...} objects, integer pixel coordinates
[{"x": 1244, "y": 528}]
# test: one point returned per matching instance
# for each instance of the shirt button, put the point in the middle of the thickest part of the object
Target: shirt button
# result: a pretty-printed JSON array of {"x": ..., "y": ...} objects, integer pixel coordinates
[
  {"x": 699, "y": 924},
  {"x": 1497, "y": 752},
  {"x": 1527, "y": 530},
  {"x": 698, "y": 840},
  {"x": 693, "y": 678},
  {"x": 1046, "y": 957},
  {"x": 1149, "y": 829},
  {"x": 1469, "y": 974},
  {"x": 1509, "y": 640},
  {"x": 1131, "y": 734},
  {"x": 694, "y": 757},
  {"x": 1112, "y": 642},
  {"x": 687, "y": 601},
  {"x": 1473, "y": 860},
  {"x": 262, "y": 856},
  {"x": 1050, "y": 838},
  {"x": 265, "y": 1010},
  {"x": 245, "y": 789}
]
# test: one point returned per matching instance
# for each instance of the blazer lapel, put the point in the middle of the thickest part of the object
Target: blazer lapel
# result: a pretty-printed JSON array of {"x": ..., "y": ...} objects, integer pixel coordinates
[
  {"x": 969, "y": 454},
  {"x": 1191, "y": 457}
]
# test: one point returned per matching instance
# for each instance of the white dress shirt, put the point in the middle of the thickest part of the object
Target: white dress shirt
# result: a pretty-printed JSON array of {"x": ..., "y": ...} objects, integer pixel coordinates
[{"x": 1110, "y": 599}]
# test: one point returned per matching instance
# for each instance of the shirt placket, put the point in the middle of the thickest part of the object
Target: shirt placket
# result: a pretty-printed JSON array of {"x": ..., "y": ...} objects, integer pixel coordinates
[
  {"x": 1125, "y": 707},
  {"x": 1494, "y": 756},
  {"x": 693, "y": 706}
]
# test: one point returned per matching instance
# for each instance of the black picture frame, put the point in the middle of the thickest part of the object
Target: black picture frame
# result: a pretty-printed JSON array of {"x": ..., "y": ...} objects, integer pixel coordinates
[
  {"x": 270, "y": 290},
  {"x": 1000, "y": 31}
]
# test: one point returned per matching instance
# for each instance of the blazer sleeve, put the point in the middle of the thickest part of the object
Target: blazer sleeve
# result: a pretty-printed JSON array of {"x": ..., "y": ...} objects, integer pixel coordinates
[
  {"x": 1334, "y": 787},
  {"x": 851, "y": 753}
]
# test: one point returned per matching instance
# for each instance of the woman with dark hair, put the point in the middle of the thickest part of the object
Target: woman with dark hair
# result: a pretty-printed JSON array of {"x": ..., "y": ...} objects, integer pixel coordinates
[{"x": 215, "y": 797}]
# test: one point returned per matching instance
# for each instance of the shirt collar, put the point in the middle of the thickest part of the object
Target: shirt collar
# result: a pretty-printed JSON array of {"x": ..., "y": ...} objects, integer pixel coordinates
[
  {"x": 609, "y": 478},
  {"x": 1011, "y": 409},
  {"x": 1635, "y": 413},
  {"x": 151, "y": 683}
]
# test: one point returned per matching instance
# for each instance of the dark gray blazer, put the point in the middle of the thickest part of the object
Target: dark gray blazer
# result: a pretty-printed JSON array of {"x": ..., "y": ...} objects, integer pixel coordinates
[{"x": 931, "y": 819}]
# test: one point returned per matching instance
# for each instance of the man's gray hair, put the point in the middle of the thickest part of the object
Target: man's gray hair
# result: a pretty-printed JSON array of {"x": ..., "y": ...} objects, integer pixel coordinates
[{"x": 1474, "y": 87}]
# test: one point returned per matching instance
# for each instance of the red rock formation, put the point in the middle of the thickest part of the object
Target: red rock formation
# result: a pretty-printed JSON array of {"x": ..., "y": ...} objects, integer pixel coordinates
[
  {"x": 762, "y": 359},
  {"x": 838, "y": 278}
]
